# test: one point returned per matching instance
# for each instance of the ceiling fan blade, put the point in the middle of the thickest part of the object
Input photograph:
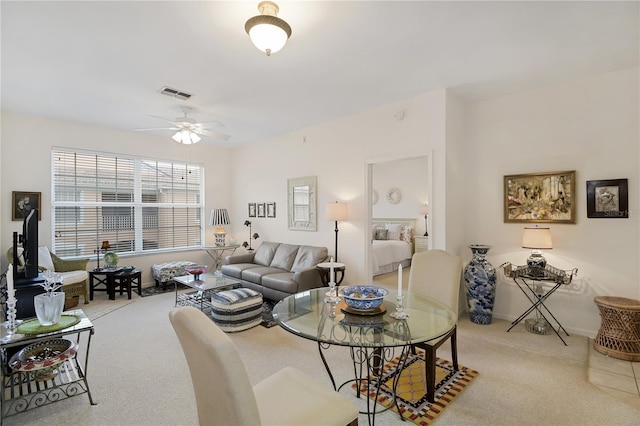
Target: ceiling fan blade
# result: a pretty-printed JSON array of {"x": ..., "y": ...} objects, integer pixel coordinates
[
  {"x": 157, "y": 128},
  {"x": 212, "y": 134},
  {"x": 162, "y": 118},
  {"x": 214, "y": 123}
]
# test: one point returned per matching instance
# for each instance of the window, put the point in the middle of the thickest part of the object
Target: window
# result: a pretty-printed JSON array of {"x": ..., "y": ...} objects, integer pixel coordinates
[{"x": 137, "y": 204}]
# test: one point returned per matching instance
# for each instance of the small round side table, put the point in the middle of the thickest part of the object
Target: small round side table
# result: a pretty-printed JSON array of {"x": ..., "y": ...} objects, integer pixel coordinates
[
  {"x": 619, "y": 334},
  {"x": 324, "y": 269}
]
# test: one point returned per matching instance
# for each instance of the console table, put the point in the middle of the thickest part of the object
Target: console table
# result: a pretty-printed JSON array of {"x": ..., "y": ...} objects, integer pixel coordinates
[
  {"x": 217, "y": 253},
  {"x": 527, "y": 278},
  {"x": 20, "y": 392}
]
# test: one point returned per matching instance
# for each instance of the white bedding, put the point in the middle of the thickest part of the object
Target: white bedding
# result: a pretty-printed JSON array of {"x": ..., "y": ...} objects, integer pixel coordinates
[{"x": 387, "y": 254}]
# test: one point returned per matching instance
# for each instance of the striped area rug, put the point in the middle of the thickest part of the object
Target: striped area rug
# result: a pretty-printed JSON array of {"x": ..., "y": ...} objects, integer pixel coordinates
[{"x": 411, "y": 388}]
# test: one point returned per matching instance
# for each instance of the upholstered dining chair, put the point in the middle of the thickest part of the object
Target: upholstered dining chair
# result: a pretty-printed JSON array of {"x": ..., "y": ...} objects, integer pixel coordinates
[
  {"x": 437, "y": 274},
  {"x": 224, "y": 395}
]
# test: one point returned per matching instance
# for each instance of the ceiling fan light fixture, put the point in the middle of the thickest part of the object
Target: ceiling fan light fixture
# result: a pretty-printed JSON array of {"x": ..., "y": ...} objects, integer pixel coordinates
[
  {"x": 186, "y": 137},
  {"x": 268, "y": 32}
]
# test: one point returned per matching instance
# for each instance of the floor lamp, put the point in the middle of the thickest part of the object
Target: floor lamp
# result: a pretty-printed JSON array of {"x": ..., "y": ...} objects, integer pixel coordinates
[{"x": 336, "y": 212}]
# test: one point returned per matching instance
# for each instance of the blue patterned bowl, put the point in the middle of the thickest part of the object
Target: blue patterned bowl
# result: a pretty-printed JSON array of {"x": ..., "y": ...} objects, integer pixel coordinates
[{"x": 363, "y": 297}]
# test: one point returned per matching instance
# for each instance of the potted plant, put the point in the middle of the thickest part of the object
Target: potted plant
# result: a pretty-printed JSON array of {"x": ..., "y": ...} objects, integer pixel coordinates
[{"x": 50, "y": 304}]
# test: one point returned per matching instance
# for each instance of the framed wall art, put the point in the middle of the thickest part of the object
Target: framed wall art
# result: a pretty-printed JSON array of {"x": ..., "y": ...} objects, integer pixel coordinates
[
  {"x": 23, "y": 202},
  {"x": 540, "y": 197},
  {"x": 261, "y": 210},
  {"x": 608, "y": 199},
  {"x": 252, "y": 209},
  {"x": 271, "y": 209}
]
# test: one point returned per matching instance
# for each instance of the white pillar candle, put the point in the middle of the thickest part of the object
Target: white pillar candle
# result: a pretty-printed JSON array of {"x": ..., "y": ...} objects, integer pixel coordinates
[
  {"x": 400, "y": 280},
  {"x": 10, "y": 290},
  {"x": 332, "y": 273}
]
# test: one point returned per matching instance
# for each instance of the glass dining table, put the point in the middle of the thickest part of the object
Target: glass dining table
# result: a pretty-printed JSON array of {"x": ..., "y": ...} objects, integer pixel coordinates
[{"x": 373, "y": 340}]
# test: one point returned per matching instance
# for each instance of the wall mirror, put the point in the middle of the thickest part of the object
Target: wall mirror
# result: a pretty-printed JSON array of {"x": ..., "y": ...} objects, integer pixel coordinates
[{"x": 302, "y": 203}]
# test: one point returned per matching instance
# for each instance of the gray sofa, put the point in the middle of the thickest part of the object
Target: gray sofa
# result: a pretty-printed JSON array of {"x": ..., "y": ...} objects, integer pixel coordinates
[{"x": 277, "y": 270}]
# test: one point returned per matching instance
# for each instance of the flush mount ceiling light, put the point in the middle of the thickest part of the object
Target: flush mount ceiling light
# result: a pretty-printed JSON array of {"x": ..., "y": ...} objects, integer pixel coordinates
[{"x": 268, "y": 32}]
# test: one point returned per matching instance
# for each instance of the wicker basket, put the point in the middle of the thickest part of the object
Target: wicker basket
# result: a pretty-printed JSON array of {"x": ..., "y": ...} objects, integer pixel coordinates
[{"x": 619, "y": 334}]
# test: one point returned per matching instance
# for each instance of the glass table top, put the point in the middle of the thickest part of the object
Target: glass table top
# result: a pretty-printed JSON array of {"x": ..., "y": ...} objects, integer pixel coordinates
[
  {"x": 307, "y": 315},
  {"x": 207, "y": 281}
]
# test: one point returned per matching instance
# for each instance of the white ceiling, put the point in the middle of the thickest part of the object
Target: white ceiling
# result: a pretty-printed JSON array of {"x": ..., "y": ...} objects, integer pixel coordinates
[{"x": 103, "y": 63}]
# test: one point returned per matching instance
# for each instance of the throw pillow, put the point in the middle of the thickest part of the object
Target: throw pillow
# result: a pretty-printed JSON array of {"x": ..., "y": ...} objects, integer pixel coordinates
[
  {"x": 381, "y": 234},
  {"x": 394, "y": 231},
  {"x": 44, "y": 259},
  {"x": 406, "y": 234}
]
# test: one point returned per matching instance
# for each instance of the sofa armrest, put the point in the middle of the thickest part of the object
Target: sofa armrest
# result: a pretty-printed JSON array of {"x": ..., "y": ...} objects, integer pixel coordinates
[
  {"x": 62, "y": 265},
  {"x": 239, "y": 258},
  {"x": 307, "y": 279}
]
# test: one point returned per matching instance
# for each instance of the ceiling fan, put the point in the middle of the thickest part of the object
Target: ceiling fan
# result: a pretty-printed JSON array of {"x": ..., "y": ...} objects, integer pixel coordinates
[{"x": 188, "y": 131}]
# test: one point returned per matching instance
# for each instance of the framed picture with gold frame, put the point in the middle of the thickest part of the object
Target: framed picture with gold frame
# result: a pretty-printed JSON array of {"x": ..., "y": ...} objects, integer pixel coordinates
[
  {"x": 22, "y": 202},
  {"x": 547, "y": 197}
]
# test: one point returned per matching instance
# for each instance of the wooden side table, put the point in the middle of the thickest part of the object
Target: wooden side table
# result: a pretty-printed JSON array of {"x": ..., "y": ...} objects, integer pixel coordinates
[
  {"x": 421, "y": 243},
  {"x": 324, "y": 269},
  {"x": 127, "y": 279}
]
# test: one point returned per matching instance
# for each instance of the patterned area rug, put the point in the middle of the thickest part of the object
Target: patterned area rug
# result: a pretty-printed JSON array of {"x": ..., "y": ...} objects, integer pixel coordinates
[
  {"x": 169, "y": 288},
  {"x": 411, "y": 388},
  {"x": 267, "y": 316}
]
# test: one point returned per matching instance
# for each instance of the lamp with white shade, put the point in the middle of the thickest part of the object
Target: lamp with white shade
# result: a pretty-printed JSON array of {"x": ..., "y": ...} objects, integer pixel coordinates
[
  {"x": 536, "y": 238},
  {"x": 268, "y": 32},
  {"x": 219, "y": 217},
  {"x": 336, "y": 212}
]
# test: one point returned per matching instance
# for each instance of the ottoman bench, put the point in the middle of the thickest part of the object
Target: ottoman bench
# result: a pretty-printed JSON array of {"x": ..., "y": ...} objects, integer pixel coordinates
[
  {"x": 164, "y": 272},
  {"x": 236, "y": 310}
]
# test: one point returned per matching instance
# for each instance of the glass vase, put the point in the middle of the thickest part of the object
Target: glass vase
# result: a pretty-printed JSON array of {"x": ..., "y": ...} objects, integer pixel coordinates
[{"x": 49, "y": 307}]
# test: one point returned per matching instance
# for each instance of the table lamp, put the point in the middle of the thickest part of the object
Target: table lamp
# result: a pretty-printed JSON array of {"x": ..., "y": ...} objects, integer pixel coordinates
[
  {"x": 103, "y": 248},
  {"x": 536, "y": 238},
  {"x": 219, "y": 217},
  {"x": 336, "y": 212},
  {"x": 424, "y": 210}
]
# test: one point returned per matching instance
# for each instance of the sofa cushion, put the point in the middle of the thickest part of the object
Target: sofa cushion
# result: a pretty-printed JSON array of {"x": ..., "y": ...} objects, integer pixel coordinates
[
  {"x": 309, "y": 256},
  {"x": 284, "y": 257},
  {"x": 235, "y": 269},
  {"x": 281, "y": 282},
  {"x": 72, "y": 277},
  {"x": 264, "y": 253},
  {"x": 255, "y": 275}
]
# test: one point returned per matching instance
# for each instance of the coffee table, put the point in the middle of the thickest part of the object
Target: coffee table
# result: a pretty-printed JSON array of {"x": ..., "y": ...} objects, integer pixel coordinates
[{"x": 205, "y": 287}]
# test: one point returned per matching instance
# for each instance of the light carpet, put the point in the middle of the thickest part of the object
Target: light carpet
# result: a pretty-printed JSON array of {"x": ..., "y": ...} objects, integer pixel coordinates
[
  {"x": 138, "y": 375},
  {"x": 411, "y": 390}
]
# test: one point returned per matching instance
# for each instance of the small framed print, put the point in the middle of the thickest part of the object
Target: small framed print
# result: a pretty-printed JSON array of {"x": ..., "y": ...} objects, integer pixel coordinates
[
  {"x": 252, "y": 209},
  {"x": 608, "y": 199},
  {"x": 23, "y": 202},
  {"x": 271, "y": 209},
  {"x": 261, "y": 209}
]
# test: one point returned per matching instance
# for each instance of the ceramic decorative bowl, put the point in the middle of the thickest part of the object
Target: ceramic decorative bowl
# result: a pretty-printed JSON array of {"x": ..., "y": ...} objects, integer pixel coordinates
[
  {"x": 42, "y": 358},
  {"x": 363, "y": 297}
]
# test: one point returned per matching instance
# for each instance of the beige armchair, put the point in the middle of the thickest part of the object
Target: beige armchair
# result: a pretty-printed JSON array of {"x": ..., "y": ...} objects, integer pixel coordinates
[
  {"x": 74, "y": 274},
  {"x": 224, "y": 395}
]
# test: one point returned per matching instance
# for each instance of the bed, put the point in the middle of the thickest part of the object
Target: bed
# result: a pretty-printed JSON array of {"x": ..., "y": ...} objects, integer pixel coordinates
[{"x": 392, "y": 244}]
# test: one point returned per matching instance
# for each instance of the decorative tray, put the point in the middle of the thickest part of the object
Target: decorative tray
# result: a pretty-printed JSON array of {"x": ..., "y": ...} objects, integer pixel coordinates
[
  {"x": 367, "y": 312},
  {"x": 33, "y": 326}
]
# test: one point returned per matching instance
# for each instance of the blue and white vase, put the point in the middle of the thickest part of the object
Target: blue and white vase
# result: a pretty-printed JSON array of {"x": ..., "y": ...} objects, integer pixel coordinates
[{"x": 480, "y": 283}]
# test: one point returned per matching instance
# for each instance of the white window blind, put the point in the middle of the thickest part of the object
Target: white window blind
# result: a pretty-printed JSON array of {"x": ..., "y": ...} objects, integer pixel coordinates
[{"x": 137, "y": 204}]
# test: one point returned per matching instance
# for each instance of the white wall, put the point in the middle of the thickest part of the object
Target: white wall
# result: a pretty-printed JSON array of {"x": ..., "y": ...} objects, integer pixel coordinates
[
  {"x": 411, "y": 176},
  {"x": 25, "y": 166},
  {"x": 338, "y": 153},
  {"x": 590, "y": 126}
]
